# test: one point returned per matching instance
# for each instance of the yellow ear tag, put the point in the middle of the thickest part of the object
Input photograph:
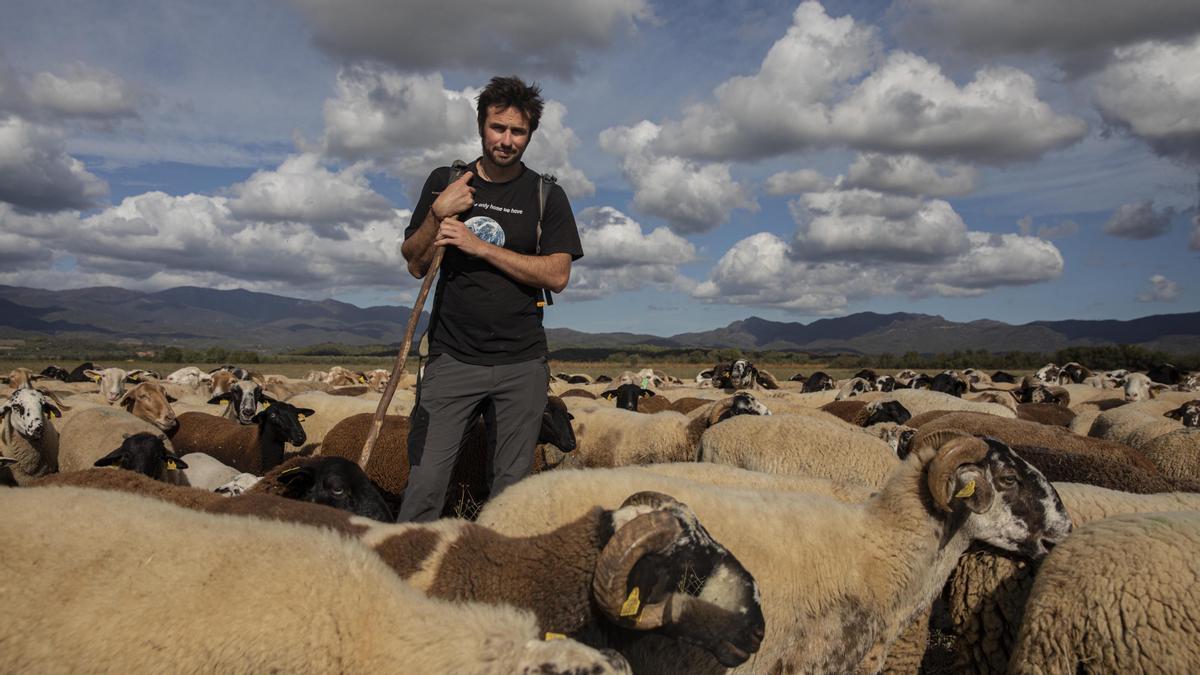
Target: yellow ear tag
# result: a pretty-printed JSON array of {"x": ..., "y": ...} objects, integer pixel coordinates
[
  {"x": 95, "y": 379},
  {"x": 170, "y": 465},
  {"x": 967, "y": 490},
  {"x": 555, "y": 636},
  {"x": 300, "y": 417},
  {"x": 632, "y": 603},
  {"x": 266, "y": 405}
]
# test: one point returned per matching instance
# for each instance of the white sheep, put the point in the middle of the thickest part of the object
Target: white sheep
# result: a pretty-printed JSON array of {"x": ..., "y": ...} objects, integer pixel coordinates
[
  {"x": 800, "y": 446},
  {"x": 918, "y": 401},
  {"x": 1118, "y": 596},
  {"x": 26, "y": 434},
  {"x": 839, "y": 581},
  {"x": 1134, "y": 424},
  {"x": 206, "y": 472},
  {"x": 307, "y": 600},
  {"x": 190, "y": 376}
]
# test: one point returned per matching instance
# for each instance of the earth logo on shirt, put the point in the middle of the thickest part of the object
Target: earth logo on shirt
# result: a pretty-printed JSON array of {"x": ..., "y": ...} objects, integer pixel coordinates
[{"x": 486, "y": 229}]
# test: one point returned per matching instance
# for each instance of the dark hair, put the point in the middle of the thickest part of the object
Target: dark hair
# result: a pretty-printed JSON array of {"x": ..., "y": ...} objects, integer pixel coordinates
[{"x": 506, "y": 92}]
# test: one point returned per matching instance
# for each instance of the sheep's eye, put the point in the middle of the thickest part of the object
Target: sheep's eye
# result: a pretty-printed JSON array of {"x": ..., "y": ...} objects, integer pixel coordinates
[
  {"x": 1006, "y": 482},
  {"x": 337, "y": 491}
]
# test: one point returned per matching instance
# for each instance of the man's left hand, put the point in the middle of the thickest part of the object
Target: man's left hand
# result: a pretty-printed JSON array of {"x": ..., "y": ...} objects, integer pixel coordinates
[{"x": 452, "y": 232}]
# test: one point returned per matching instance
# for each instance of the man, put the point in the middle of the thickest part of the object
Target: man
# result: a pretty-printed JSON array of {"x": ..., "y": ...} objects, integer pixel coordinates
[{"x": 487, "y": 349}]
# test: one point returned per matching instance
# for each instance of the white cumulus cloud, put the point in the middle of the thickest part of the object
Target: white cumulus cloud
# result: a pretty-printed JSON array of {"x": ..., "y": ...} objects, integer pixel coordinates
[
  {"x": 808, "y": 93},
  {"x": 797, "y": 182},
  {"x": 910, "y": 175},
  {"x": 1153, "y": 90},
  {"x": 865, "y": 225},
  {"x": 85, "y": 91},
  {"x": 411, "y": 124},
  {"x": 37, "y": 174},
  {"x": 302, "y": 190},
  {"x": 537, "y": 36},
  {"x": 1139, "y": 220},
  {"x": 621, "y": 256},
  {"x": 1161, "y": 289},
  {"x": 691, "y": 196}
]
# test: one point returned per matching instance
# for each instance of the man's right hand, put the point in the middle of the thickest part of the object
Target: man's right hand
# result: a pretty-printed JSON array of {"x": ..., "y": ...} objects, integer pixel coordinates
[{"x": 457, "y": 198}]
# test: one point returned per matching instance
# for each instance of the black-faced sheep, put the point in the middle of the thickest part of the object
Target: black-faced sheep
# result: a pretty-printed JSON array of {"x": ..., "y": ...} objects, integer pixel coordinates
[
  {"x": 865, "y": 414},
  {"x": 340, "y": 606},
  {"x": 241, "y": 401},
  {"x": 331, "y": 481},
  {"x": 146, "y": 454},
  {"x": 255, "y": 448},
  {"x": 839, "y": 580},
  {"x": 629, "y": 397},
  {"x": 818, "y": 381}
]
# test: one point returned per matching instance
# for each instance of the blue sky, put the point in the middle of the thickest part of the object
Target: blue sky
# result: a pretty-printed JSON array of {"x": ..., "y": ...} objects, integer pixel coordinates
[{"x": 1035, "y": 160}]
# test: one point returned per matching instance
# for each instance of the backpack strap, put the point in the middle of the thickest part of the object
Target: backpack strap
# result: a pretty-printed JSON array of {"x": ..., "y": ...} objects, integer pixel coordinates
[{"x": 545, "y": 183}]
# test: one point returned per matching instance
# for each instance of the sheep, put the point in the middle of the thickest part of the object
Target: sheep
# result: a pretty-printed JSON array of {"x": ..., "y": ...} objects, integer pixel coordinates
[
  {"x": 241, "y": 401},
  {"x": 331, "y": 409},
  {"x": 885, "y": 383},
  {"x": 1134, "y": 424},
  {"x": 88, "y": 434},
  {"x": 628, "y": 395},
  {"x": 205, "y": 472},
  {"x": 615, "y": 437},
  {"x": 254, "y": 448},
  {"x": 111, "y": 380},
  {"x": 331, "y": 481},
  {"x": 1176, "y": 454},
  {"x": 1138, "y": 387},
  {"x": 986, "y": 595},
  {"x": 20, "y": 377},
  {"x": 646, "y": 567},
  {"x": 864, "y": 413},
  {"x": 146, "y": 454},
  {"x": 353, "y": 615},
  {"x": 220, "y": 381},
  {"x": 818, "y": 381},
  {"x": 950, "y": 383},
  {"x": 1003, "y": 398},
  {"x": 582, "y": 393},
  {"x": 470, "y": 482},
  {"x": 1063, "y": 456},
  {"x": 53, "y": 372},
  {"x": 839, "y": 580},
  {"x": 1187, "y": 413},
  {"x": 799, "y": 446},
  {"x": 27, "y": 436},
  {"x": 853, "y": 387},
  {"x": 917, "y": 401},
  {"x": 238, "y": 485},
  {"x": 189, "y": 376},
  {"x": 1117, "y": 596},
  {"x": 1051, "y": 414},
  {"x": 687, "y": 404}
]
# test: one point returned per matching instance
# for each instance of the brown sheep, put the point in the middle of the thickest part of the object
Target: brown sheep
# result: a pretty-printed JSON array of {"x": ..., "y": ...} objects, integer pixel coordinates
[
  {"x": 581, "y": 393},
  {"x": 1062, "y": 455},
  {"x": 470, "y": 481},
  {"x": 687, "y": 404},
  {"x": 254, "y": 448},
  {"x": 1051, "y": 414}
]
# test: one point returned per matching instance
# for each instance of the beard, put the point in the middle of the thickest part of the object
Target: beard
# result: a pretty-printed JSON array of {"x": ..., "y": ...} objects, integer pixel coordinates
[{"x": 507, "y": 161}]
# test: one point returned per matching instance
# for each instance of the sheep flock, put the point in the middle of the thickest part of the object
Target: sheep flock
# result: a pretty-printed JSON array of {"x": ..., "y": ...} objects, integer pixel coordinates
[{"x": 734, "y": 521}]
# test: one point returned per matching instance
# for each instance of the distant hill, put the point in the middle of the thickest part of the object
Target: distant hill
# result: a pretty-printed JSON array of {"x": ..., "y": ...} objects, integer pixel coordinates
[{"x": 239, "y": 319}]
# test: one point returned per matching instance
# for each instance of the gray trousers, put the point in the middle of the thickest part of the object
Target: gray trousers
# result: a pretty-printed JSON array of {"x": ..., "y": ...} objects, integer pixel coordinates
[{"x": 452, "y": 395}]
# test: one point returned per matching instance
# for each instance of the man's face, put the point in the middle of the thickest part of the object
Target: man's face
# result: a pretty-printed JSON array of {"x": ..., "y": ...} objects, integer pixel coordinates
[{"x": 505, "y": 135}]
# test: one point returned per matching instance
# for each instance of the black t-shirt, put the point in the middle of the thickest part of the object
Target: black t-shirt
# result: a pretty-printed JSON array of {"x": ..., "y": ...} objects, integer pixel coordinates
[{"x": 480, "y": 315}]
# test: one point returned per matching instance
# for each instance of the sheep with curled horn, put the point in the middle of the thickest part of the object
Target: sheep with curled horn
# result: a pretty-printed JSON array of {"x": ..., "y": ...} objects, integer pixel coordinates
[{"x": 824, "y": 565}]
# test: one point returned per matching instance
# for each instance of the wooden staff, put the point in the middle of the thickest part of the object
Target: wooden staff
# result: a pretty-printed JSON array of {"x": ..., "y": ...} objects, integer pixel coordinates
[{"x": 401, "y": 358}]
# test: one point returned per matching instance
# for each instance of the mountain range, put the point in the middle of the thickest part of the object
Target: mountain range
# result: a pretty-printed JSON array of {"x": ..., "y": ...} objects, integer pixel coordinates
[{"x": 240, "y": 319}]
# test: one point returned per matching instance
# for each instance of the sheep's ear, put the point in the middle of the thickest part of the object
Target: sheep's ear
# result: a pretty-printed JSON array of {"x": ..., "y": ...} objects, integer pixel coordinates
[
  {"x": 172, "y": 462},
  {"x": 5, "y": 461},
  {"x": 51, "y": 410},
  {"x": 227, "y": 396},
  {"x": 171, "y": 399},
  {"x": 305, "y": 412},
  {"x": 92, "y": 375},
  {"x": 126, "y": 400},
  {"x": 610, "y": 394},
  {"x": 113, "y": 458},
  {"x": 1176, "y": 414},
  {"x": 645, "y": 393},
  {"x": 266, "y": 398},
  {"x": 298, "y": 480}
]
